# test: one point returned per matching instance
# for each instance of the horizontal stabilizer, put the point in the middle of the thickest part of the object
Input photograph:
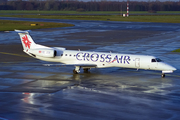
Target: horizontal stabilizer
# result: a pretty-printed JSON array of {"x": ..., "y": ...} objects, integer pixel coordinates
[{"x": 21, "y": 31}]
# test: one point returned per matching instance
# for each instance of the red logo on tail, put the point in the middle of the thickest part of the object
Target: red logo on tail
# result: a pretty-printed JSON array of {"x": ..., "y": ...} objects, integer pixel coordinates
[{"x": 26, "y": 41}]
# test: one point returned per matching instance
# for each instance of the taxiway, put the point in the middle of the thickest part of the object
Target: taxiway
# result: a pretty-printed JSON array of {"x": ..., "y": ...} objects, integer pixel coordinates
[{"x": 31, "y": 91}]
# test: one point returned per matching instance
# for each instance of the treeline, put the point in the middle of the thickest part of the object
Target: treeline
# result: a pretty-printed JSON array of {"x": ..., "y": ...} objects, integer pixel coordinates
[{"x": 89, "y": 6}]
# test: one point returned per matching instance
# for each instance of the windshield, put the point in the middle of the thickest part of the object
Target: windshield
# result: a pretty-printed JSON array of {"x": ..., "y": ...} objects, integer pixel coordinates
[{"x": 156, "y": 60}]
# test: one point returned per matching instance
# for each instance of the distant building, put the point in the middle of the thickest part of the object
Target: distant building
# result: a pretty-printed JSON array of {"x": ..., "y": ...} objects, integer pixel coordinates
[{"x": 3, "y": 2}]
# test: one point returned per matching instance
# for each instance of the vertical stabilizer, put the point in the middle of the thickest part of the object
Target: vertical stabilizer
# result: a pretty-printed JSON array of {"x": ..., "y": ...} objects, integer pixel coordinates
[{"x": 26, "y": 40}]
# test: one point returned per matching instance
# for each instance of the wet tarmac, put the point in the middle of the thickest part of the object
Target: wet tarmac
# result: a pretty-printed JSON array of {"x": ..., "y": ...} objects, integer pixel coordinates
[{"x": 31, "y": 91}]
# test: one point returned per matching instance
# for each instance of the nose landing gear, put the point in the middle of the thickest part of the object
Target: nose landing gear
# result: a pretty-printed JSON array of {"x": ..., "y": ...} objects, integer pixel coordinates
[{"x": 163, "y": 75}]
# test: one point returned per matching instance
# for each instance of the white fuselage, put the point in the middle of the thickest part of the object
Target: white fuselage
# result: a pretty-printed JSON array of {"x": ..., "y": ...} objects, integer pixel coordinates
[{"x": 103, "y": 60}]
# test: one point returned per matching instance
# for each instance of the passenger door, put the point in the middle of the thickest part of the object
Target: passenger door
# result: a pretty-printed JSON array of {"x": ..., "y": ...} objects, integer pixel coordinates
[{"x": 137, "y": 62}]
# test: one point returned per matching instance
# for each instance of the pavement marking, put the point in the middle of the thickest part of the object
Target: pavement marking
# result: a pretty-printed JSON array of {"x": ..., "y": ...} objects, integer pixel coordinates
[{"x": 13, "y": 54}]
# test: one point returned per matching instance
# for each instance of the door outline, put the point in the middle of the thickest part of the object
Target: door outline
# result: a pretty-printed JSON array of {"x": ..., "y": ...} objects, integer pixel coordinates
[{"x": 137, "y": 62}]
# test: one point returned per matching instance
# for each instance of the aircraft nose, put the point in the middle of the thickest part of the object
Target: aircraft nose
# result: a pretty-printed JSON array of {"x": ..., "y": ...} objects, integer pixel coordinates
[
  {"x": 171, "y": 68},
  {"x": 168, "y": 67}
]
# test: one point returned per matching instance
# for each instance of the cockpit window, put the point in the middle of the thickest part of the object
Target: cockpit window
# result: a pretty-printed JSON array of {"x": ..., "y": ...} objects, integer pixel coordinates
[
  {"x": 158, "y": 60},
  {"x": 153, "y": 60}
]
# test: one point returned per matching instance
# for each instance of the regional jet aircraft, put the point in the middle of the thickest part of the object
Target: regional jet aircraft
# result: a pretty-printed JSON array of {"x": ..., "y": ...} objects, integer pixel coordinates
[{"x": 88, "y": 60}]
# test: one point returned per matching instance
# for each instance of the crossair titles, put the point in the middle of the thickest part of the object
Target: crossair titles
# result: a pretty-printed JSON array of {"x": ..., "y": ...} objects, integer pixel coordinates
[{"x": 102, "y": 58}]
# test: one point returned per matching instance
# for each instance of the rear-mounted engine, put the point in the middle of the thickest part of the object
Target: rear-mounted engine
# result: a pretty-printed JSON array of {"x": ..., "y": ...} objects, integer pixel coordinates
[{"x": 49, "y": 53}]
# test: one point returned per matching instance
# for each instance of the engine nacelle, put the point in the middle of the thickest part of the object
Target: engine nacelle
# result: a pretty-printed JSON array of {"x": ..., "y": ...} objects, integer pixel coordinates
[{"x": 43, "y": 52}]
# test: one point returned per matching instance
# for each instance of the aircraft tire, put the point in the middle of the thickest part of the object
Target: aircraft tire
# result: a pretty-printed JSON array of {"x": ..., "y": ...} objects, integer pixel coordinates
[
  {"x": 86, "y": 70},
  {"x": 75, "y": 72},
  {"x": 163, "y": 75}
]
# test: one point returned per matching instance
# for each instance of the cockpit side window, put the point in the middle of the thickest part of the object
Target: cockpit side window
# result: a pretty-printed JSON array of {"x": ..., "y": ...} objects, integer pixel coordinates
[{"x": 153, "y": 60}]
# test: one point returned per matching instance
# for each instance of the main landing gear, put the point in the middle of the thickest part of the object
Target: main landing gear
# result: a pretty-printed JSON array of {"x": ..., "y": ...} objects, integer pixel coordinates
[
  {"x": 86, "y": 70},
  {"x": 77, "y": 70}
]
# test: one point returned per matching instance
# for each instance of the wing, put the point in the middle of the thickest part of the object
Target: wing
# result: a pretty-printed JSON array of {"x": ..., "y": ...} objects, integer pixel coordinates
[{"x": 81, "y": 65}]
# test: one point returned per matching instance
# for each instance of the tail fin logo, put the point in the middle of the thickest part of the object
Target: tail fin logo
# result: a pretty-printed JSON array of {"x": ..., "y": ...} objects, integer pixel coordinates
[{"x": 26, "y": 41}]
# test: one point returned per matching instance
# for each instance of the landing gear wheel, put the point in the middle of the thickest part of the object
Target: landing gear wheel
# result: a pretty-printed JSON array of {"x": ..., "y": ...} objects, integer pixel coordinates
[
  {"x": 86, "y": 70},
  {"x": 75, "y": 72},
  {"x": 163, "y": 75}
]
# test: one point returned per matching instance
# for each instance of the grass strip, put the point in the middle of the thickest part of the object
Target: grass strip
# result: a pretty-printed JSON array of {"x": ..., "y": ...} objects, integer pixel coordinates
[
  {"x": 177, "y": 50},
  {"x": 8, "y": 25},
  {"x": 160, "y": 19}
]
